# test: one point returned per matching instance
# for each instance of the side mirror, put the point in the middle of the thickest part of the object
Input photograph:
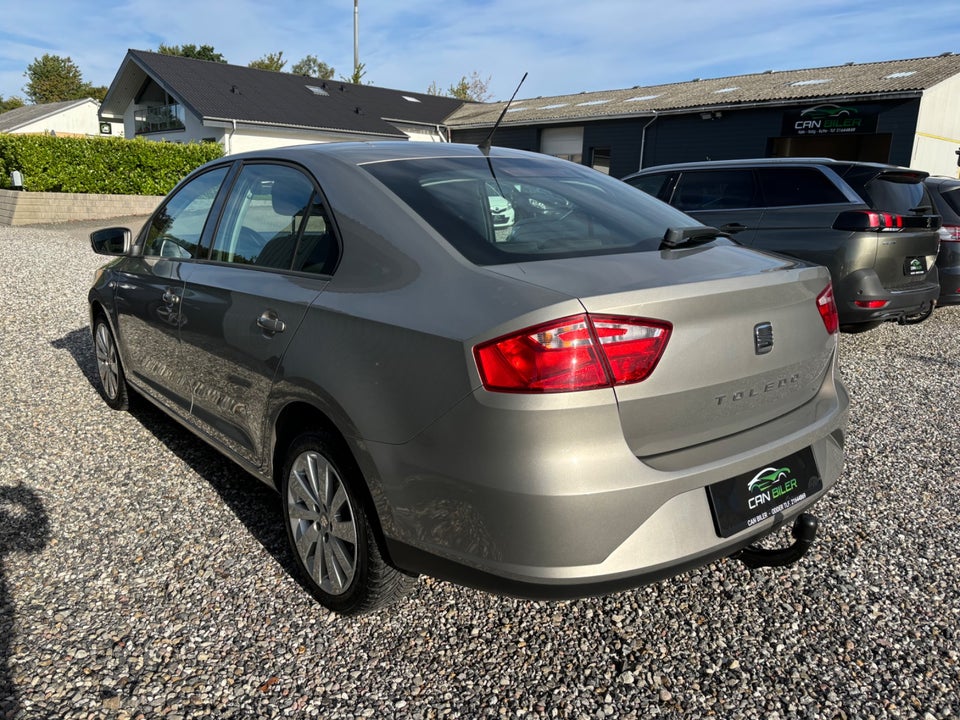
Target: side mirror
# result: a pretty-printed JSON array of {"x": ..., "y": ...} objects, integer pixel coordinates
[{"x": 111, "y": 241}]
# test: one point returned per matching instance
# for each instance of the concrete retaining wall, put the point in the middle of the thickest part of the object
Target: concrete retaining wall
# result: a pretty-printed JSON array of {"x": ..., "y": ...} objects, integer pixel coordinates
[{"x": 31, "y": 208}]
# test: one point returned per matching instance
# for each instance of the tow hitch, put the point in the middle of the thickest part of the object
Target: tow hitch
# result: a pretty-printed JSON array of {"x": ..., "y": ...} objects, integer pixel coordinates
[
  {"x": 922, "y": 314},
  {"x": 804, "y": 533}
]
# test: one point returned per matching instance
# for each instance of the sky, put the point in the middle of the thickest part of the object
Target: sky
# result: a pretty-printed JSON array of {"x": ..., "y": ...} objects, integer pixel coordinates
[{"x": 565, "y": 47}]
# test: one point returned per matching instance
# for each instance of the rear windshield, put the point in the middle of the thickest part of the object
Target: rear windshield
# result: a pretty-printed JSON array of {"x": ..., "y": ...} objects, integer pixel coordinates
[
  {"x": 506, "y": 210},
  {"x": 902, "y": 193},
  {"x": 952, "y": 198}
]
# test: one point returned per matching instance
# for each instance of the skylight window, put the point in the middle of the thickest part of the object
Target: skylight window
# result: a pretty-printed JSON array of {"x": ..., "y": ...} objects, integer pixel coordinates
[
  {"x": 725, "y": 90},
  {"x": 642, "y": 98},
  {"x": 905, "y": 73},
  {"x": 410, "y": 99},
  {"x": 554, "y": 106},
  {"x": 317, "y": 90},
  {"x": 802, "y": 83},
  {"x": 516, "y": 109},
  {"x": 593, "y": 102}
]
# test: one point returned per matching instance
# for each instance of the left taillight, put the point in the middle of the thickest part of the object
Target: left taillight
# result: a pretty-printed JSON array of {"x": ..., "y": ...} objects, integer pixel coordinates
[
  {"x": 828, "y": 309},
  {"x": 582, "y": 352}
]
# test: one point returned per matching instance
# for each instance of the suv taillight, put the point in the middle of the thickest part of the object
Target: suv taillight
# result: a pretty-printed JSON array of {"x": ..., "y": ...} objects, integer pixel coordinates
[
  {"x": 951, "y": 233},
  {"x": 582, "y": 352},
  {"x": 856, "y": 220},
  {"x": 828, "y": 309}
]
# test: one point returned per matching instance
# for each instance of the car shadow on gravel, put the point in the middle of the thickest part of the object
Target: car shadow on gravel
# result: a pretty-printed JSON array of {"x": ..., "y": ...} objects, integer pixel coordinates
[
  {"x": 24, "y": 528},
  {"x": 252, "y": 502}
]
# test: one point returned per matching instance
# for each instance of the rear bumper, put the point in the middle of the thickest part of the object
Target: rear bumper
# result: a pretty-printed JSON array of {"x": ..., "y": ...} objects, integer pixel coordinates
[
  {"x": 567, "y": 510},
  {"x": 949, "y": 285},
  {"x": 864, "y": 286}
]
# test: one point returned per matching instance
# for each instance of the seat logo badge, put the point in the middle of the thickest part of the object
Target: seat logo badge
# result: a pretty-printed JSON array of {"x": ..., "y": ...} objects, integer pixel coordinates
[{"x": 762, "y": 338}]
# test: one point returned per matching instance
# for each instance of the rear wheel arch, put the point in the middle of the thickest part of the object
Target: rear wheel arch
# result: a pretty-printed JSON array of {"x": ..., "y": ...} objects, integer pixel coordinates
[
  {"x": 299, "y": 417},
  {"x": 302, "y": 430}
]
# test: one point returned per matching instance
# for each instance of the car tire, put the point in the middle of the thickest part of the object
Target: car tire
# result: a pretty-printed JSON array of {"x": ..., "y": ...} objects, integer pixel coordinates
[
  {"x": 113, "y": 382},
  {"x": 330, "y": 534}
]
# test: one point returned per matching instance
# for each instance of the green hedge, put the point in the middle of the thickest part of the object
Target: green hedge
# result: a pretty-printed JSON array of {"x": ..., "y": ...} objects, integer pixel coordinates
[{"x": 111, "y": 166}]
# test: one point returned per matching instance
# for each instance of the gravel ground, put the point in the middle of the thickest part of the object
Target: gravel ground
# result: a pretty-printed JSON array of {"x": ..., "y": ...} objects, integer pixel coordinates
[{"x": 143, "y": 576}]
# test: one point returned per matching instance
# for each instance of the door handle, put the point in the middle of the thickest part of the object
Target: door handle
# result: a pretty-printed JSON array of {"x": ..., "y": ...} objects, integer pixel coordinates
[
  {"x": 270, "y": 323},
  {"x": 733, "y": 228}
]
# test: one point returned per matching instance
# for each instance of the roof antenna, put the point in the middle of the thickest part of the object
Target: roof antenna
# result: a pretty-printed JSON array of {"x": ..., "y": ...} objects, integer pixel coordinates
[{"x": 485, "y": 145}]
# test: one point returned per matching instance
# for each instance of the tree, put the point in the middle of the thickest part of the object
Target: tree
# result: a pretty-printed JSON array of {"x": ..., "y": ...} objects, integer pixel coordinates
[
  {"x": 270, "y": 61},
  {"x": 97, "y": 92},
  {"x": 311, "y": 67},
  {"x": 52, "y": 78},
  {"x": 357, "y": 78},
  {"x": 473, "y": 88},
  {"x": 11, "y": 103},
  {"x": 204, "y": 52}
]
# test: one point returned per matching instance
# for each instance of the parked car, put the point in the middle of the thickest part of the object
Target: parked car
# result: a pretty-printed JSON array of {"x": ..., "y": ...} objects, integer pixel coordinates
[
  {"x": 874, "y": 226},
  {"x": 529, "y": 413},
  {"x": 945, "y": 192}
]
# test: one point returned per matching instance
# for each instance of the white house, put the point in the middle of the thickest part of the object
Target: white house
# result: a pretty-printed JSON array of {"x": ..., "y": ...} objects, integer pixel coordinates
[
  {"x": 177, "y": 99},
  {"x": 70, "y": 117}
]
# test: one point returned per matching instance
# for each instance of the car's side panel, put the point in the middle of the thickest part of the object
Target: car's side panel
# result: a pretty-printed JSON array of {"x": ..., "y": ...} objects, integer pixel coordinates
[
  {"x": 147, "y": 306},
  {"x": 232, "y": 345}
]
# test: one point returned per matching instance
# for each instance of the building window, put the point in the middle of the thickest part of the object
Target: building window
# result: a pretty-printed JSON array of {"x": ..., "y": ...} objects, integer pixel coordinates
[
  {"x": 162, "y": 118},
  {"x": 601, "y": 160},
  {"x": 563, "y": 142}
]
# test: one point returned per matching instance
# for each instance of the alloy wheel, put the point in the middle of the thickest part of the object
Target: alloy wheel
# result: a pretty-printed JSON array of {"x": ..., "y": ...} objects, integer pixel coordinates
[
  {"x": 322, "y": 522},
  {"x": 108, "y": 365}
]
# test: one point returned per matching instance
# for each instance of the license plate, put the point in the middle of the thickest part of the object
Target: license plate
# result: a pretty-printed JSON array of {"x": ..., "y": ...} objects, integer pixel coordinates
[
  {"x": 743, "y": 501},
  {"x": 915, "y": 266}
]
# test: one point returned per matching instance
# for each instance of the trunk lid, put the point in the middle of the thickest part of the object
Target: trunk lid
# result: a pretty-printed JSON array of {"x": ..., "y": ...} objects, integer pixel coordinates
[
  {"x": 906, "y": 254},
  {"x": 713, "y": 380}
]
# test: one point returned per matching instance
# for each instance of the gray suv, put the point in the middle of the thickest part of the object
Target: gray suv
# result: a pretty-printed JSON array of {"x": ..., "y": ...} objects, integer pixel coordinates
[
  {"x": 873, "y": 226},
  {"x": 945, "y": 192}
]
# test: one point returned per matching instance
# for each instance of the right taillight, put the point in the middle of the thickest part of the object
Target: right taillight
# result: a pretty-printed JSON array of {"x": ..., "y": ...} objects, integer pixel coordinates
[
  {"x": 582, "y": 352},
  {"x": 828, "y": 310},
  {"x": 857, "y": 220}
]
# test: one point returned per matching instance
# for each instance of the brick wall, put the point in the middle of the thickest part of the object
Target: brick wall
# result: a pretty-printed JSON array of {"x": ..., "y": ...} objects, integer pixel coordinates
[{"x": 31, "y": 208}]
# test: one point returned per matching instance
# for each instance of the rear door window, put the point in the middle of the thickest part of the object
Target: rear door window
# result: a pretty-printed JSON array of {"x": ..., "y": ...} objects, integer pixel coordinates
[
  {"x": 275, "y": 219},
  {"x": 797, "y": 186},
  {"x": 716, "y": 190}
]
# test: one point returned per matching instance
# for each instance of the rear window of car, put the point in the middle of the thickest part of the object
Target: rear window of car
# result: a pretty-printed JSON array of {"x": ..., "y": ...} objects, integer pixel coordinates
[
  {"x": 503, "y": 210},
  {"x": 951, "y": 196},
  {"x": 900, "y": 192},
  {"x": 905, "y": 198}
]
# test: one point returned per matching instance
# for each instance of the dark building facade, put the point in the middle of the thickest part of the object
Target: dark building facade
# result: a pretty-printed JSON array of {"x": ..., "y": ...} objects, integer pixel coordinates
[{"x": 901, "y": 112}]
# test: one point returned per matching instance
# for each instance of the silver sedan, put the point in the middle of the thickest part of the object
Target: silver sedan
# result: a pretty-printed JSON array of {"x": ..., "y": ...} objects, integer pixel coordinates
[{"x": 493, "y": 367}]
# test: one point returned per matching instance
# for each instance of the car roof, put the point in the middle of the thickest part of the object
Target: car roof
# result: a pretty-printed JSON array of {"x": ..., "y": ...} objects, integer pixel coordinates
[
  {"x": 358, "y": 153},
  {"x": 942, "y": 181},
  {"x": 760, "y": 162}
]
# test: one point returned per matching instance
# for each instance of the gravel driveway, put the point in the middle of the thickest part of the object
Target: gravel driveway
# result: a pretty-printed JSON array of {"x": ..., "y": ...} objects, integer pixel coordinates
[{"x": 143, "y": 576}]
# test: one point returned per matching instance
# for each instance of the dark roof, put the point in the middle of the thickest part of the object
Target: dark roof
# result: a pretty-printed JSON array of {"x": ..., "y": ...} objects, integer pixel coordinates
[
  {"x": 894, "y": 78},
  {"x": 26, "y": 114},
  {"x": 218, "y": 91}
]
